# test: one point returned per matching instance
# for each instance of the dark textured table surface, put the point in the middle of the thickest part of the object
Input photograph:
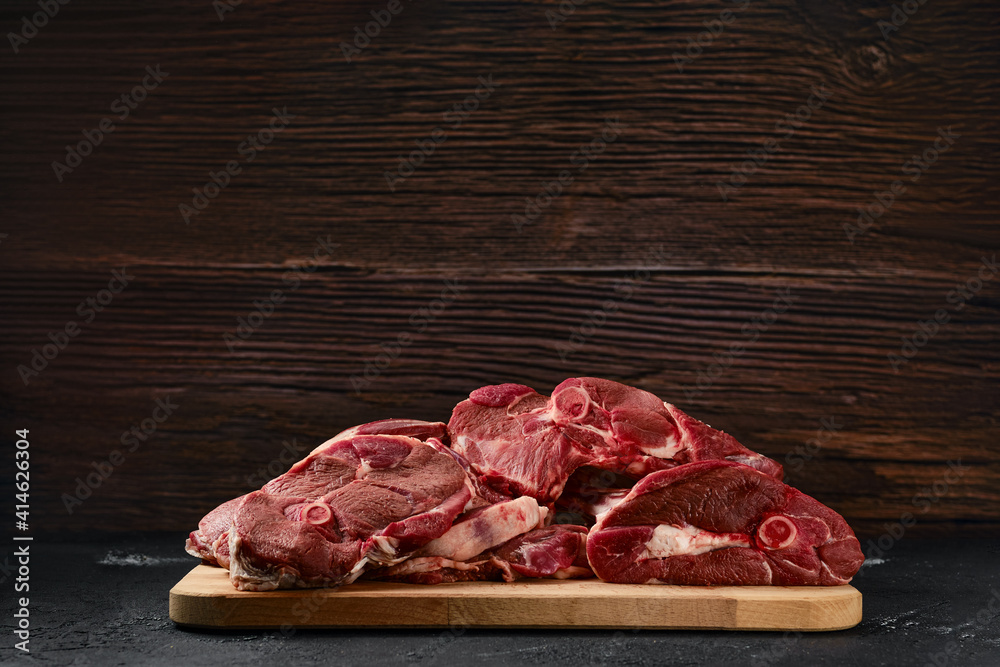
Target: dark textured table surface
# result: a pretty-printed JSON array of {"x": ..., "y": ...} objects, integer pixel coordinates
[{"x": 105, "y": 603}]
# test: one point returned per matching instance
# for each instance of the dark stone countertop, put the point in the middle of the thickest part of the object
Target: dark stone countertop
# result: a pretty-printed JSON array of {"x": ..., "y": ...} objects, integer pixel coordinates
[{"x": 104, "y": 602}]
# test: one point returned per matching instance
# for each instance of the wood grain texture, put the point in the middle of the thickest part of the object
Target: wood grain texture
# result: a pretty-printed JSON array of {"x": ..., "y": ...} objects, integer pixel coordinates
[
  {"x": 205, "y": 599},
  {"x": 523, "y": 294}
]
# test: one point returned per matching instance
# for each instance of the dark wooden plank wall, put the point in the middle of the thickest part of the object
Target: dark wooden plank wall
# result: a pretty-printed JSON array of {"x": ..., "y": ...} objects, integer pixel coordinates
[{"x": 520, "y": 294}]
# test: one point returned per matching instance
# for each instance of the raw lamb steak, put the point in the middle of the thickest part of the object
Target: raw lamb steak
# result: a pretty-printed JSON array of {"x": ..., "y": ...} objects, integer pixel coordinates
[
  {"x": 497, "y": 538},
  {"x": 413, "y": 428},
  {"x": 366, "y": 501},
  {"x": 523, "y": 443},
  {"x": 555, "y": 552},
  {"x": 721, "y": 523},
  {"x": 211, "y": 541}
]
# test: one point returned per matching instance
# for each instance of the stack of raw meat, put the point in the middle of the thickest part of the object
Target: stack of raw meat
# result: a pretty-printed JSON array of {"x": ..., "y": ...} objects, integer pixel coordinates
[{"x": 598, "y": 479}]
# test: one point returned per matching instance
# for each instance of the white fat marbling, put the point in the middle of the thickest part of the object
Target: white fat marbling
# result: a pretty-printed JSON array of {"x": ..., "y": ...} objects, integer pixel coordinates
[
  {"x": 666, "y": 450},
  {"x": 668, "y": 541}
]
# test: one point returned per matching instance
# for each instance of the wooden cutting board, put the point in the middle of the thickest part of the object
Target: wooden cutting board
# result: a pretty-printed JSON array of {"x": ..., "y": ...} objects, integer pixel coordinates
[{"x": 205, "y": 598}]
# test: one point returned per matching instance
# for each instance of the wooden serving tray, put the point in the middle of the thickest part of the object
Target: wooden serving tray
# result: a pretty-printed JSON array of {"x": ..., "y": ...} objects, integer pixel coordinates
[{"x": 205, "y": 599}]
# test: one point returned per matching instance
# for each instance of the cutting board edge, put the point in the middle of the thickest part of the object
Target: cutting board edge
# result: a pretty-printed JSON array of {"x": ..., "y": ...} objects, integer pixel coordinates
[{"x": 731, "y": 608}]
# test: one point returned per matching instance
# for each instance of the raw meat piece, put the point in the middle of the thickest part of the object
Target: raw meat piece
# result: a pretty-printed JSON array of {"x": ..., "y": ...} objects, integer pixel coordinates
[
  {"x": 484, "y": 494},
  {"x": 722, "y": 523},
  {"x": 501, "y": 538},
  {"x": 376, "y": 501},
  {"x": 523, "y": 443},
  {"x": 556, "y": 552},
  {"x": 211, "y": 541},
  {"x": 213, "y": 533},
  {"x": 413, "y": 428},
  {"x": 366, "y": 501},
  {"x": 486, "y": 527}
]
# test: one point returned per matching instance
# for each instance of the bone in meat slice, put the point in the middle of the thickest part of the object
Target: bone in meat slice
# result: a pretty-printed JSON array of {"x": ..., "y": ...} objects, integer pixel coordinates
[
  {"x": 554, "y": 552},
  {"x": 521, "y": 442},
  {"x": 722, "y": 523},
  {"x": 210, "y": 541},
  {"x": 364, "y": 502}
]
